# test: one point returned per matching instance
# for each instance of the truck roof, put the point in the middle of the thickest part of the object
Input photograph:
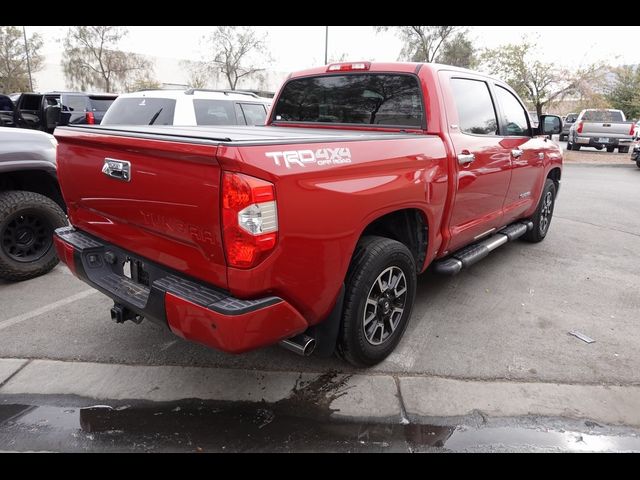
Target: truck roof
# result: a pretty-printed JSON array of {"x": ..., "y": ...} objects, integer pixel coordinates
[{"x": 404, "y": 67}]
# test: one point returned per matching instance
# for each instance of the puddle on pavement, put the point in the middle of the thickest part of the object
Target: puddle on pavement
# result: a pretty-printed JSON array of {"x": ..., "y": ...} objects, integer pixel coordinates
[{"x": 197, "y": 426}]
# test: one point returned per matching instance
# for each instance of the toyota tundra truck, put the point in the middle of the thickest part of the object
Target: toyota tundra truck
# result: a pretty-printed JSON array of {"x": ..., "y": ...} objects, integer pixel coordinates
[{"x": 308, "y": 231}]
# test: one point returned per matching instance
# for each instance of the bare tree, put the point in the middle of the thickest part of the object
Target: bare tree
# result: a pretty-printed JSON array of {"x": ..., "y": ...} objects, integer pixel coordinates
[
  {"x": 423, "y": 43},
  {"x": 539, "y": 82},
  {"x": 14, "y": 76},
  {"x": 233, "y": 51},
  {"x": 200, "y": 73},
  {"x": 92, "y": 59}
]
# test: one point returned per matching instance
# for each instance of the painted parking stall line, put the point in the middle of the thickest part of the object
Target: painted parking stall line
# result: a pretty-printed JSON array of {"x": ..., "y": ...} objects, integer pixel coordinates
[{"x": 47, "y": 308}]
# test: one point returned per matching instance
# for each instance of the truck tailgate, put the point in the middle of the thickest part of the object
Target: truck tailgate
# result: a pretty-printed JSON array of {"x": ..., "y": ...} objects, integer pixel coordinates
[
  {"x": 168, "y": 209},
  {"x": 607, "y": 129}
]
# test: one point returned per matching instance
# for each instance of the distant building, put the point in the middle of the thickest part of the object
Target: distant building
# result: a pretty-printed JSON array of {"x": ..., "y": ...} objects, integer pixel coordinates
[{"x": 169, "y": 72}]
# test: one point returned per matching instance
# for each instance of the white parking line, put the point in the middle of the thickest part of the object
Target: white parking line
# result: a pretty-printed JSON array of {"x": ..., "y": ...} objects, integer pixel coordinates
[{"x": 47, "y": 308}]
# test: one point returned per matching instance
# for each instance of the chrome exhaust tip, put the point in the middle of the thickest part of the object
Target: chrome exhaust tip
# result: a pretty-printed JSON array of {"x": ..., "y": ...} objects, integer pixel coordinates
[{"x": 301, "y": 344}]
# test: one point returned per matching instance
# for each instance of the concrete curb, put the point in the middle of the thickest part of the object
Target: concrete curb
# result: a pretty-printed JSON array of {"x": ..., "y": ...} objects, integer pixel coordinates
[
  {"x": 440, "y": 397},
  {"x": 362, "y": 397},
  {"x": 348, "y": 396}
]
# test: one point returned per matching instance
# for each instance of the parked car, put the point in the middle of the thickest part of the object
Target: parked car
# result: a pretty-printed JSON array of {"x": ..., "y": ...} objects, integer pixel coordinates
[
  {"x": 46, "y": 111},
  {"x": 636, "y": 130},
  {"x": 188, "y": 107},
  {"x": 308, "y": 231},
  {"x": 601, "y": 128},
  {"x": 31, "y": 205},
  {"x": 567, "y": 121},
  {"x": 635, "y": 155}
]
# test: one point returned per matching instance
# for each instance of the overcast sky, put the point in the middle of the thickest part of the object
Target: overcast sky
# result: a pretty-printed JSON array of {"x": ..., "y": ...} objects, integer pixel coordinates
[{"x": 295, "y": 48}]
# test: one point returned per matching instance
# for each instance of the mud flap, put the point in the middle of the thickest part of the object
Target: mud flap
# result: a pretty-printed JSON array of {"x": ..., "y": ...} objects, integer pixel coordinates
[{"x": 326, "y": 332}]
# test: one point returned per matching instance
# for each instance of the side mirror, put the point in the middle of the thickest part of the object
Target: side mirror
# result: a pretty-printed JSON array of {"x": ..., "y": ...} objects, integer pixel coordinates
[
  {"x": 549, "y": 125},
  {"x": 52, "y": 116}
]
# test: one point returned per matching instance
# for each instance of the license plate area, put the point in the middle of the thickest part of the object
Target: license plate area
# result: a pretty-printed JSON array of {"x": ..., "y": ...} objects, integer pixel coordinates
[
  {"x": 603, "y": 140},
  {"x": 135, "y": 270}
]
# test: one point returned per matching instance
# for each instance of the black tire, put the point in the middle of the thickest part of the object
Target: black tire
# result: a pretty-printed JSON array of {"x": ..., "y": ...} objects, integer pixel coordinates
[
  {"x": 373, "y": 257},
  {"x": 610, "y": 149},
  {"x": 544, "y": 211},
  {"x": 561, "y": 137},
  {"x": 27, "y": 222},
  {"x": 623, "y": 149},
  {"x": 638, "y": 163},
  {"x": 572, "y": 146}
]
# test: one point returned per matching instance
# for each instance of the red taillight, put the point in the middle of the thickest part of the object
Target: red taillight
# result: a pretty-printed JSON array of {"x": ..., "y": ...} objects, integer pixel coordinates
[
  {"x": 346, "y": 67},
  {"x": 579, "y": 127},
  {"x": 249, "y": 219},
  {"x": 65, "y": 252},
  {"x": 632, "y": 129},
  {"x": 91, "y": 119}
]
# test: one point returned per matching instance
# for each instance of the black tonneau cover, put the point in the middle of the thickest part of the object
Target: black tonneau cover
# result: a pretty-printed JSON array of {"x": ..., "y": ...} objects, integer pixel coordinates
[{"x": 240, "y": 135}]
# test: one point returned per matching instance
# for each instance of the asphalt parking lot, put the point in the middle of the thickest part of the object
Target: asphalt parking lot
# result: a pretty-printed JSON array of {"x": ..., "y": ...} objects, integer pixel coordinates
[{"x": 504, "y": 322}]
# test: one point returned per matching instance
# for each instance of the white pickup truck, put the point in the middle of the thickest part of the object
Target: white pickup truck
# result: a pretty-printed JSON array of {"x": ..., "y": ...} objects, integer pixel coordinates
[{"x": 601, "y": 128}]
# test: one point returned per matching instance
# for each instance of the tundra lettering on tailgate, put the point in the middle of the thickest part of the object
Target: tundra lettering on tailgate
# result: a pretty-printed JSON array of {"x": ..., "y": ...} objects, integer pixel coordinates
[{"x": 322, "y": 156}]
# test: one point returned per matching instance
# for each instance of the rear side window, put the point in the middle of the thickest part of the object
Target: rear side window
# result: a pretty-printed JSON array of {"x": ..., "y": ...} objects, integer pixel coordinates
[
  {"x": 254, "y": 113},
  {"x": 602, "y": 116},
  {"x": 571, "y": 118},
  {"x": 476, "y": 113},
  {"x": 100, "y": 104},
  {"x": 364, "y": 98},
  {"x": 140, "y": 111},
  {"x": 31, "y": 102},
  {"x": 515, "y": 117},
  {"x": 74, "y": 103},
  {"x": 6, "y": 105},
  {"x": 214, "y": 112}
]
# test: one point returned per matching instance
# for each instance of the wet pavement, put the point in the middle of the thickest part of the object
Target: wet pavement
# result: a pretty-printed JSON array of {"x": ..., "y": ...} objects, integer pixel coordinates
[{"x": 198, "y": 426}]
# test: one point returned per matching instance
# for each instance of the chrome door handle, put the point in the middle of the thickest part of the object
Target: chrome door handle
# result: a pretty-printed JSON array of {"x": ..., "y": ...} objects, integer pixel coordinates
[
  {"x": 516, "y": 152},
  {"x": 466, "y": 158},
  {"x": 118, "y": 169}
]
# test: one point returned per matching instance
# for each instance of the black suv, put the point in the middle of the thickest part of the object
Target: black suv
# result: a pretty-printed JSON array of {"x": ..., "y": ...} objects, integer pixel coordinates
[{"x": 46, "y": 111}]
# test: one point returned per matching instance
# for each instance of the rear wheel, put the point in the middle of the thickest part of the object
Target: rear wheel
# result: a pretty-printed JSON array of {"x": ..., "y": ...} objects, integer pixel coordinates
[
  {"x": 623, "y": 149},
  {"x": 542, "y": 217},
  {"x": 560, "y": 137},
  {"x": 379, "y": 296},
  {"x": 610, "y": 149},
  {"x": 638, "y": 163},
  {"x": 27, "y": 222}
]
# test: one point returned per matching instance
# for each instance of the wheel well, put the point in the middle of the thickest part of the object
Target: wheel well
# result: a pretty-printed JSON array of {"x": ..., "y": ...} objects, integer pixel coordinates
[
  {"x": 555, "y": 174},
  {"x": 407, "y": 226},
  {"x": 37, "y": 181}
]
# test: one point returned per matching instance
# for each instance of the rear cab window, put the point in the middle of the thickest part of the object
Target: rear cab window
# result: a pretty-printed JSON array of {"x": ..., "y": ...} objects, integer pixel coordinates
[
  {"x": 74, "y": 103},
  {"x": 381, "y": 99},
  {"x": 602, "y": 116},
  {"x": 140, "y": 111},
  {"x": 100, "y": 104}
]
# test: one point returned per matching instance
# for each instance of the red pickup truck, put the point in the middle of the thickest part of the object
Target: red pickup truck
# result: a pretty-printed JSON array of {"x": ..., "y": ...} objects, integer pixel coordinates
[{"x": 308, "y": 231}]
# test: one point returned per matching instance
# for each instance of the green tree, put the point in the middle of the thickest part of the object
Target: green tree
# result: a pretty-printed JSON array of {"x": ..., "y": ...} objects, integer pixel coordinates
[
  {"x": 441, "y": 44},
  {"x": 624, "y": 93},
  {"x": 540, "y": 83},
  {"x": 14, "y": 75},
  {"x": 459, "y": 51},
  {"x": 92, "y": 59},
  {"x": 236, "y": 52}
]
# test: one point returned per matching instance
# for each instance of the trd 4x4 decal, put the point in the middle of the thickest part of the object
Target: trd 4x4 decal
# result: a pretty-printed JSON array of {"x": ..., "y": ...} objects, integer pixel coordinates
[{"x": 322, "y": 156}]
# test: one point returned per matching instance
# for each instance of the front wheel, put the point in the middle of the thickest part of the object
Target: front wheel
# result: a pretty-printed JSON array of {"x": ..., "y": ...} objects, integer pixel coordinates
[
  {"x": 379, "y": 296},
  {"x": 27, "y": 222},
  {"x": 542, "y": 218}
]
